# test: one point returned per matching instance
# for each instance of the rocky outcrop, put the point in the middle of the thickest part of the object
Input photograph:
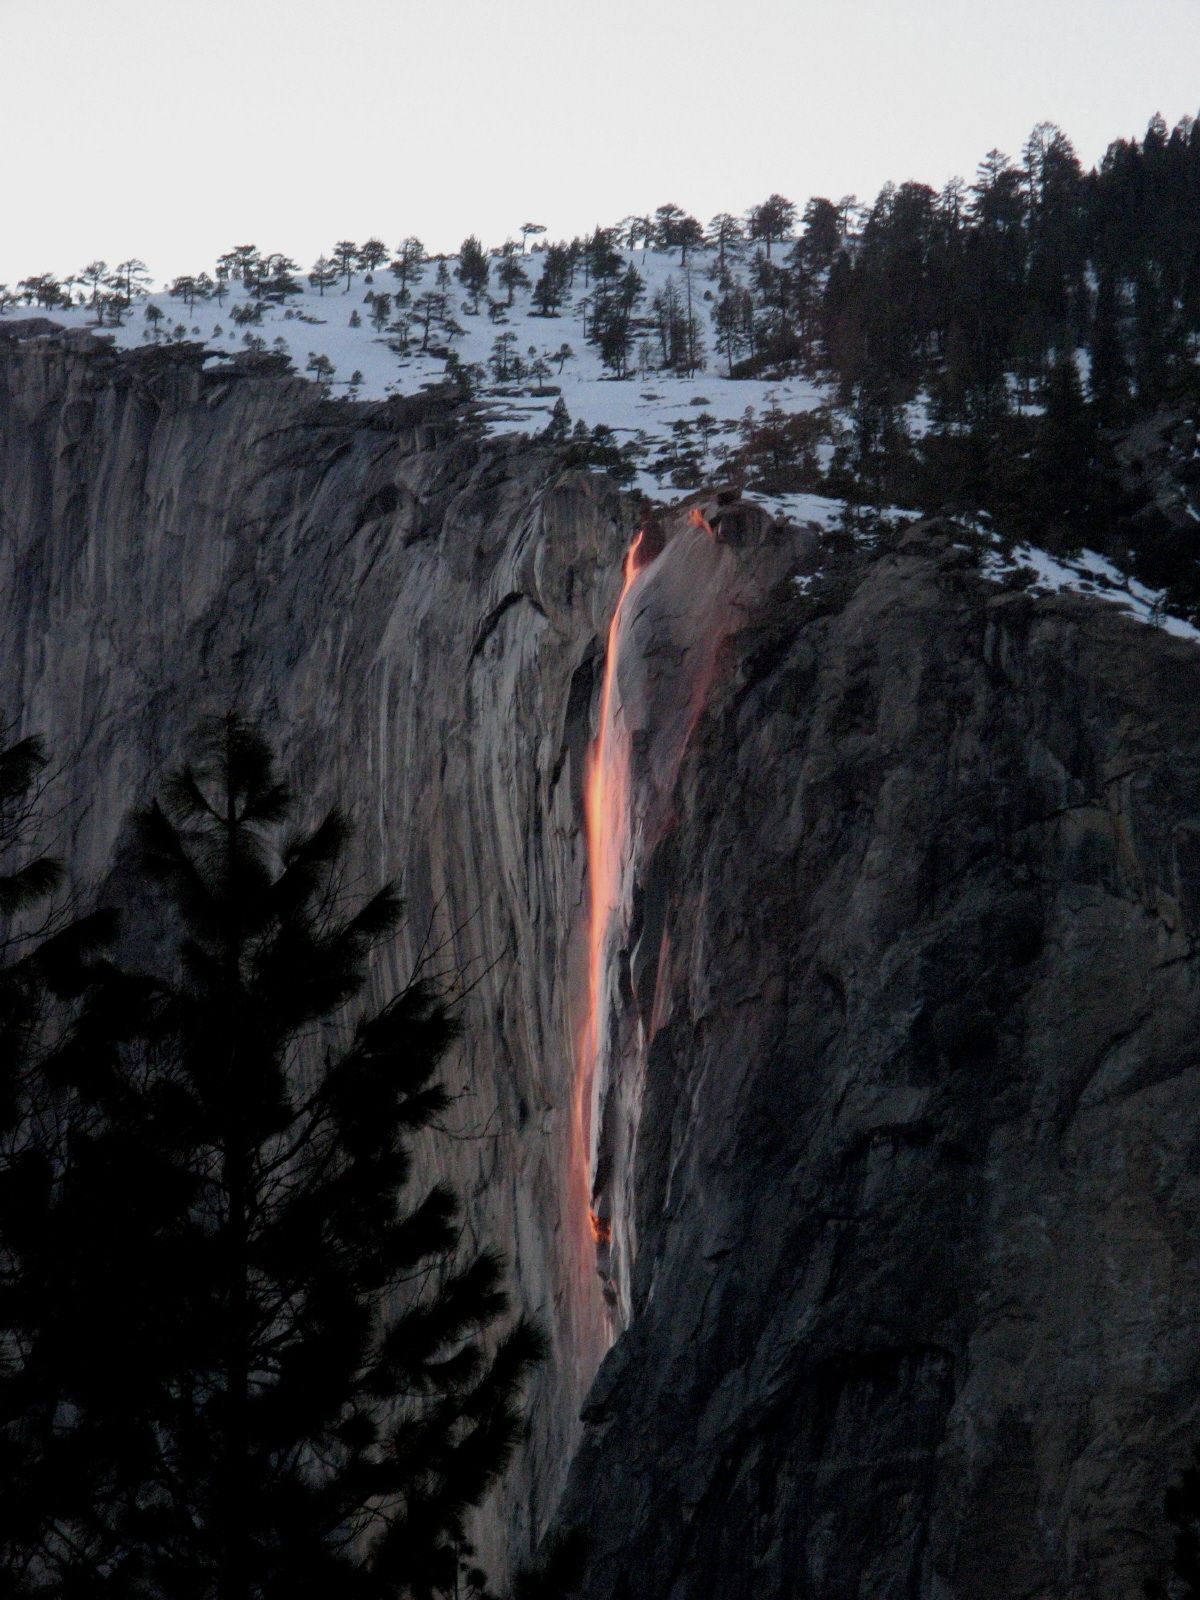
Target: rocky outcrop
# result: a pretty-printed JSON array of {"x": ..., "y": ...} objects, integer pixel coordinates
[
  {"x": 915, "y": 1305},
  {"x": 891, "y": 1123}
]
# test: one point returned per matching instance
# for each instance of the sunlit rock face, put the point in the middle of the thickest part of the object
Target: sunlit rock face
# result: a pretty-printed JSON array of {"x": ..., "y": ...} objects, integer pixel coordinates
[
  {"x": 914, "y": 1302},
  {"x": 689, "y": 589},
  {"x": 889, "y": 1119}
]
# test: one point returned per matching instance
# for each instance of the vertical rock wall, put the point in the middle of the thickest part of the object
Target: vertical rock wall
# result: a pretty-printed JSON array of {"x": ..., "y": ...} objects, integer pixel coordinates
[
  {"x": 696, "y": 585},
  {"x": 415, "y": 618},
  {"x": 915, "y": 1304}
]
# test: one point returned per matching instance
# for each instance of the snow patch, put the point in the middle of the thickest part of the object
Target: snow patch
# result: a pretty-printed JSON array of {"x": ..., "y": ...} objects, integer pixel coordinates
[
  {"x": 642, "y": 408},
  {"x": 1092, "y": 574}
]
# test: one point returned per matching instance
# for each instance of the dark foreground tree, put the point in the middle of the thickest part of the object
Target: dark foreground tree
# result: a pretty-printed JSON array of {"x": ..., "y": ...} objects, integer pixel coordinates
[
  {"x": 473, "y": 268},
  {"x": 269, "y": 1379},
  {"x": 1182, "y": 1507},
  {"x": 46, "y": 963},
  {"x": 46, "y": 950},
  {"x": 28, "y": 879}
]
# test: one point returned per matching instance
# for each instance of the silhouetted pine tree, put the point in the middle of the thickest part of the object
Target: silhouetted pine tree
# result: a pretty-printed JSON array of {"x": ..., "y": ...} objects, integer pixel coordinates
[
  {"x": 28, "y": 878},
  {"x": 511, "y": 273},
  {"x": 1109, "y": 376},
  {"x": 473, "y": 267},
  {"x": 1062, "y": 490},
  {"x": 277, "y": 1381},
  {"x": 1182, "y": 1506},
  {"x": 46, "y": 961}
]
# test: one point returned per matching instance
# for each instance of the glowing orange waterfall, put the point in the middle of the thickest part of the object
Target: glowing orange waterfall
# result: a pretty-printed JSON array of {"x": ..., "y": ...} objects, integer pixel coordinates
[{"x": 606, "y": 822}]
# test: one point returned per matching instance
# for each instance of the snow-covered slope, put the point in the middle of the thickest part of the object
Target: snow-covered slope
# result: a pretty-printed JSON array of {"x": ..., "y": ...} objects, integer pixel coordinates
[
  {"x": 367, "y": 360},
  {"x": 1087, "y": 573},
  {"x": 638, "y": 408}
]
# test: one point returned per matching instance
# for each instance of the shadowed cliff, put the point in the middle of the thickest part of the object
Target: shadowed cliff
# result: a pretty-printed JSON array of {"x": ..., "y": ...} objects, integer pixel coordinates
[{"x": 915, "y": 1305}]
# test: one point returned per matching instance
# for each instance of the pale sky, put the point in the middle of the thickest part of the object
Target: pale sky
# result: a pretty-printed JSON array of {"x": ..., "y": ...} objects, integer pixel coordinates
[{"x": 172, "y": 131}]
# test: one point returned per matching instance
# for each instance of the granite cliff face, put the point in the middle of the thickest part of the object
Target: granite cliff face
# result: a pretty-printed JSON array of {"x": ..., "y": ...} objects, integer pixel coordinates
[
  {"x": 888, "y": 1119},
  {"x": 415, "y": 619},
  {"x": 915, "y": 1308}
]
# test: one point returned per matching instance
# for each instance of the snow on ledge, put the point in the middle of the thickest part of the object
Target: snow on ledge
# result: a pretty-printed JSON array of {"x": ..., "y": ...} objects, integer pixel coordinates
[{"x": 1092, "y": 574}]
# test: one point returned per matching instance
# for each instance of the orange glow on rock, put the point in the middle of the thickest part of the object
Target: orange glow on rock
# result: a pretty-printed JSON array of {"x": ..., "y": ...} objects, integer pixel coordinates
[
  {"x": 698, "y": 520},
  {"x": 605, "y": 816}
]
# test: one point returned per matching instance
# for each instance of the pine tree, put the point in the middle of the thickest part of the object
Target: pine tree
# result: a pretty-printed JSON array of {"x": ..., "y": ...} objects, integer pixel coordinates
[
  {"x": 601, "y": 258},
  {"x": 675, "y": 227},
  {"x": 822, "y": 235},
  {"x": 43, "y": 941},
  {"x": 185, "y": 289},
  {"x": 733, "y": 317},
  {"x": 442, "y": 282},
  {"x": 1182, "y": 1506},
  {"x": 131, "y": 278},
  {"x": 666, "y": 219},
  {"x": 1108, "y": 379},
  {"x": 325, "y": 273},
  {"x": 276, "y": 281},
  {"x": 559, "y": 425},
  {"x": 1061, "y": 492},
  {"x": 551, "y": 288},
  {"x": 637, "y": 230},
  {"x": 511, "y": 273},
  {"x": 501, "y": 357},
  {"x": 473, "y": 269},
  {"x": 276, "y": 1382},
  {"x": 345, "y": 253},
  {"x": 409, "y": 264},
  {"x": 94, "y": 274},
  {"x": 29, "y": 878},
  {"x": 724, "y": 231},
  {"x": 373, "y": 253},
  {"x": 381, "y": 309},
  {"x": 771, "y": 220},
  {"x": 240, "y": 262},
  {"x": 46, "y": 962},
  {"x": 43, "y": 289},
  {"x": 424, "y": 311}
]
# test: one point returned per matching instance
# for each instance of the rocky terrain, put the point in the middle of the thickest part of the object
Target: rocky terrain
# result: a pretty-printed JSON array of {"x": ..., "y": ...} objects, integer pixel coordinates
[
  {"x": 915, "y": 1307},
  {"x": 890, "y": 1125}
]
